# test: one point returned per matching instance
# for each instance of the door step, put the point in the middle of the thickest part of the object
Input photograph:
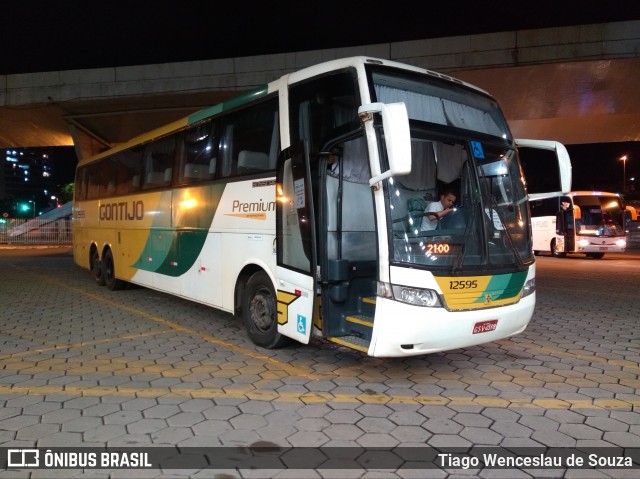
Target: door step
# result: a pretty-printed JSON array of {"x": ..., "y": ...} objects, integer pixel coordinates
[
  {"x": 367, "y": 305},
  {"x": 353, "y": 342},
  {"x": 360, "y": 319}
]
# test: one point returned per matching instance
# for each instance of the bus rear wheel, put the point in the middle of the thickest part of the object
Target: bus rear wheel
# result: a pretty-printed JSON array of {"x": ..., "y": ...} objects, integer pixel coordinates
[
  {"x": 109, "y": 272},
  {"x": 96, "y": 267},
  {"x": 260, "y": 313}
]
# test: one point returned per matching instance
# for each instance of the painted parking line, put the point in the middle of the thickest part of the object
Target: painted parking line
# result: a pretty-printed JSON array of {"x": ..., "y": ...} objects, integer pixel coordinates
[
  {"x": 78, "y": 345},
  {"x": 246, "y": 392},
  {"x": 589, "y": 358}
]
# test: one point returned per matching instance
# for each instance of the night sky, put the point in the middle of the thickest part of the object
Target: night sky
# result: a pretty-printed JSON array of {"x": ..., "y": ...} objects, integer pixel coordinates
[
  {"x": 38, "y": 35},
  {"x": 597, "y": 166}
]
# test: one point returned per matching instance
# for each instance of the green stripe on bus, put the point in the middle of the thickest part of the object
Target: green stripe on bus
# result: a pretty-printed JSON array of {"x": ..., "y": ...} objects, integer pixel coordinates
[
  {"x": 184, "y": 252},
  {"x": 227, "y": 105},
  {"x": 504, "y": 286},
  {"x": 174, "y": 252}
]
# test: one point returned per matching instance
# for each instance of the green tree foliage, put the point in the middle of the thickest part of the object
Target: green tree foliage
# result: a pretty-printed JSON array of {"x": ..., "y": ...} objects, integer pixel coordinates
[{"x": 66, "y": 194}]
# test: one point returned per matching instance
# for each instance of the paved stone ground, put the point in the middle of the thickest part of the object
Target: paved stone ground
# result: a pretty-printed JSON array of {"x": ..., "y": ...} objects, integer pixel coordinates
[{"x": 82, "y": 366}]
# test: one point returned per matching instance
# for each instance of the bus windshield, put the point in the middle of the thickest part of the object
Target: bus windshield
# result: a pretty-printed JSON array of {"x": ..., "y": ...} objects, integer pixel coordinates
[
  {"x": 489, "y": 224},
  {"x": 488, "y": 228},
  {"x": 599, "y": 215}
]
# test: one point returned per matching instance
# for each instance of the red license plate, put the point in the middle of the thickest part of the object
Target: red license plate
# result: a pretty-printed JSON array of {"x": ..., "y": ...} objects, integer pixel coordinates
[{"x": 485, "y": 326}]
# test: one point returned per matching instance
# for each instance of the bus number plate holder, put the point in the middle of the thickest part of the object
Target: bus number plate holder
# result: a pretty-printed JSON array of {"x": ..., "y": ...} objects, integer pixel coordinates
[{"x": 485, "y": 326}]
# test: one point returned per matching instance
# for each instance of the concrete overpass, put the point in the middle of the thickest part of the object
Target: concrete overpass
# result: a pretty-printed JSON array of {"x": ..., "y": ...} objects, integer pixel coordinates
[{"x": 576, "y": 84}]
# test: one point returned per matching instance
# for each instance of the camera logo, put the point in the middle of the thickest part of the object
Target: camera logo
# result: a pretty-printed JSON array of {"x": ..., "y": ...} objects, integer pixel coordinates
[{"x": 23, "y": 457}]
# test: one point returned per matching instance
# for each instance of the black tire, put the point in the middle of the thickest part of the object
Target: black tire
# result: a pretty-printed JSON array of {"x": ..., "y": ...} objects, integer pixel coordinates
[
  {"x": 96, "y": 267},
  {"x": 260, "y": 312},
  {"x": 109, "y": 272},
  {"x": 595, "y": 255},
  {"x": 554, "y": 252}
]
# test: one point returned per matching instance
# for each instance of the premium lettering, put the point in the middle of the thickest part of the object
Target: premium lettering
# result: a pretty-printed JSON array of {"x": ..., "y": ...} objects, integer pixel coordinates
[
  {"x": 122, "y": 211},
  {"x": 258, "y": 206}
]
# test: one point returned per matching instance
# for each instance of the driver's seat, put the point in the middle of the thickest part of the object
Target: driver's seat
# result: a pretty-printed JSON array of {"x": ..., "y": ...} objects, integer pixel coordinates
[{"x": 415, "y": 209}]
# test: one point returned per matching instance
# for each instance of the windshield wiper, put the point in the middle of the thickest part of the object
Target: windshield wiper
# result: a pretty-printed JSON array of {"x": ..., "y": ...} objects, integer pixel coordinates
[
  {"x": 457, "y": 264},
  {"x": 514, "y": 249}
]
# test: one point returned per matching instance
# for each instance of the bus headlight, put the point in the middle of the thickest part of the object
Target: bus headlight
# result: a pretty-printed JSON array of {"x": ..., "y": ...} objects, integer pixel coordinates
[
  {"x": 405, "y": 294},
  {"x": 529, "y": 288},
  {"x": 621, "y": 243},
  {"x": 583, "y": 242}
]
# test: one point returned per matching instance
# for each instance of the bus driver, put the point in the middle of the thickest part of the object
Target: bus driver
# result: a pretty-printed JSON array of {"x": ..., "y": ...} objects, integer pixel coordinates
[{"x": 440, "y": 208}]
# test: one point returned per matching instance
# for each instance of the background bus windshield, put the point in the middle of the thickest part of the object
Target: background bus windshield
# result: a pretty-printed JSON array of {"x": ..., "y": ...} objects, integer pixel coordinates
[{"x": 599, "y": 215}]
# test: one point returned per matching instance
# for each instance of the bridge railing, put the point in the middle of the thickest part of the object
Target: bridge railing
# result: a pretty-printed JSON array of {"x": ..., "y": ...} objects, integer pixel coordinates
[{"x": 35, "y": 231}]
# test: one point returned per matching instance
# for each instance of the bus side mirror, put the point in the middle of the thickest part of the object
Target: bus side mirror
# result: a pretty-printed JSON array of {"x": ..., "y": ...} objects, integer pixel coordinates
[{"x": 395, "y": 123}]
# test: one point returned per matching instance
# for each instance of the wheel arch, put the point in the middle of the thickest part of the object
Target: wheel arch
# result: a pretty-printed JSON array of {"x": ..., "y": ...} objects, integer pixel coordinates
[
  {"x": 245, "y": 273},
  {"x": 93, "y": 247}
]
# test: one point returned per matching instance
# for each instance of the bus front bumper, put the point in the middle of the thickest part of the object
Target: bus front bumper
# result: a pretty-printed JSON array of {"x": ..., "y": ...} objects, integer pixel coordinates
[{"x": 401, "y": 329}]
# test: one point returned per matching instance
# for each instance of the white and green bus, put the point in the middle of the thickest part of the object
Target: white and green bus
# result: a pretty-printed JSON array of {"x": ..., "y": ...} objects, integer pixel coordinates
[
  {"x": 586, "y": 222},
  {"x": 297, "y": 207},
  {"x": 564, "y": 221}
]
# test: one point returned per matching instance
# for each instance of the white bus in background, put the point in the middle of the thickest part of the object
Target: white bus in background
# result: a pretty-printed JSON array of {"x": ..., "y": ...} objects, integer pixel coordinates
[
  {"x": 588, "y": 222},
  {"x": 564, "y": 221}
]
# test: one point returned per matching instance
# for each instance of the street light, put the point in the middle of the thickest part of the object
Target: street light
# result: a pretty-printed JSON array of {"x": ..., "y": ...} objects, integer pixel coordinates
[{"x": 624, "y": 172}]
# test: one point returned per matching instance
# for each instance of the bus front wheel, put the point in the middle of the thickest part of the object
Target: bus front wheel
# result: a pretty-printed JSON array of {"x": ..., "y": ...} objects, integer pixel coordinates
[
  {"x": 554, "y": 252},
  {"x": 259, "y": 312},
  {"x": 109, "y": 272}
]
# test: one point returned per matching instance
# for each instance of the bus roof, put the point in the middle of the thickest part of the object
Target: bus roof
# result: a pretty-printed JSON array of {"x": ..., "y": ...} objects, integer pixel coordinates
[
  {"x": 591, "y": 193},
  {"x": 181, "y": 123},
  {"x": 262, "y": 91}
]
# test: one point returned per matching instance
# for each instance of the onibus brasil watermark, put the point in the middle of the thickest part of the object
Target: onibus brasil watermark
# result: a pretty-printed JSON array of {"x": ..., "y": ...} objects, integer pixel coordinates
[
  {"x": 493, "y": 460},
  {"x": 277, "y": 457}
]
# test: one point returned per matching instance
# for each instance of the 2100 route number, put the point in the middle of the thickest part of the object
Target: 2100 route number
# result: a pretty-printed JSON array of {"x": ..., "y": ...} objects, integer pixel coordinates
[{"x": 438, "y": 248}]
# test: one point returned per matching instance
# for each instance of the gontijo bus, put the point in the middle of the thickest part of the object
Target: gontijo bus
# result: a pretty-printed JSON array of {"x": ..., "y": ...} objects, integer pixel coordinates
[{"x": 298, "y": 207}]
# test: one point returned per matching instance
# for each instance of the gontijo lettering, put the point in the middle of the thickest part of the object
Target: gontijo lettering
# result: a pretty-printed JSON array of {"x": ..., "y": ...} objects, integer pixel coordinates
[{"x": 122, "y": 211}]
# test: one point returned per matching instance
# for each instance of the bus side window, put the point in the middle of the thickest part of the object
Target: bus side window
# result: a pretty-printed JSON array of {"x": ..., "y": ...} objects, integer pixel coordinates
[
  {"x": 197, "y": 154},
  {"x": 107, "y": 175},
  {"x": 226, "y": 152},
  {"x": 129, "y": 171},
  {"x": 80, "y": 188},
  {"x": 250, "y": 140},
  {"x": 249, "y": 161},
  {"x": 158, "y": 163},
  {"x": 92, "y": 175}
]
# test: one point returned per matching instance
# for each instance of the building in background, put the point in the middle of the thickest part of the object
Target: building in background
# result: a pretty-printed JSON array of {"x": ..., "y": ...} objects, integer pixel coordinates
[{"x": 27, "y": 183}]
